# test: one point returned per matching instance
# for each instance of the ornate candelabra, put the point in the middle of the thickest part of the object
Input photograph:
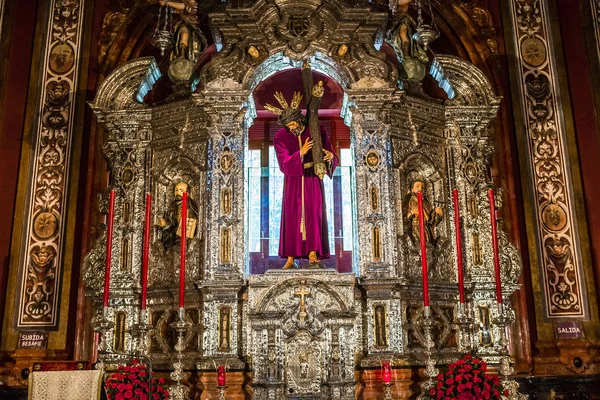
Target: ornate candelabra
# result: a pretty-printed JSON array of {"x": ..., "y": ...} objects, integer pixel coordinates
[
  {"x": 466, "y": 326},
  {"x": 179, "y": 391},
  {"x": 142, "y": 329},
  {"x": 503, "y": 320},
  {"x": 103, "y": 326},
  {"x": 428, "y": 323}
]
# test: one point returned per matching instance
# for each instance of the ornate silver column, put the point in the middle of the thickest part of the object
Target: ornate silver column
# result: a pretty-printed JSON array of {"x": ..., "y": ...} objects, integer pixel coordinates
[
  {"x": 371, "y": 144},
  {"x": 222, "y": 278}
]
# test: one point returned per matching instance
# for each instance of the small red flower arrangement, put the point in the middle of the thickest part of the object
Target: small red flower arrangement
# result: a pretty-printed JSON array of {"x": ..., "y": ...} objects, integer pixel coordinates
[
  {"x": 467, "y": 379},
  {"x": 132, "y": 382}
]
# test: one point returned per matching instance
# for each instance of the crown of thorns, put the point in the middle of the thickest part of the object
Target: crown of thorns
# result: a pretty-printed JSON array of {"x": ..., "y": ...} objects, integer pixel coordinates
[
  {"x": 288, "y": 112},
  {"x": 296, "y": 99}
]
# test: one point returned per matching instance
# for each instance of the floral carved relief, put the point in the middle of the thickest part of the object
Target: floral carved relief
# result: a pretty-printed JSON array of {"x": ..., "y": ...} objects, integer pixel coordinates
[
  {"x": 560, "y": 261},
  {"x": 51, "y": 148}
]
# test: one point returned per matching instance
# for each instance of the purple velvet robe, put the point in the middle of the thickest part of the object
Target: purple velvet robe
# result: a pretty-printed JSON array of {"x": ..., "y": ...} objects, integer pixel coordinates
[{"x": 315, "y": 211}]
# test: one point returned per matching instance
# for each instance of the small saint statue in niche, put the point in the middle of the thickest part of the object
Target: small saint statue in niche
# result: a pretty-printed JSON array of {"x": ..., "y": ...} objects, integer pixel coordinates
[
  {"x": 170, "y": 224},
  {"x": 224, "y": 328},
  {"x": 431, "y": 216},
  {"x": 485, "y": 338},
  {"x": 412, "y": 57},
  {"x": 304, "y": 366},
  {"x": 380, "y": 326},
  {"x": 189, "y": 39}
]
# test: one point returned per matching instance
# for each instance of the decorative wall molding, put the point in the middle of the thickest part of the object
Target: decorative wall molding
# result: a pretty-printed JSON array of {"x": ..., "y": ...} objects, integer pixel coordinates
[
  {"x": 483, "y": 20},
  {"x": 560, "y": 256},
  {"x": 42, "y": 247}
]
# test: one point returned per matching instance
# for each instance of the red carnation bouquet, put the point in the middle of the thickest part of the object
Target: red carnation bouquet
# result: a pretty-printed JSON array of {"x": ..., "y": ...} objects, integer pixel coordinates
[
  {"x": 467, "y": 379},
  {"x": 132, "y": 382}
]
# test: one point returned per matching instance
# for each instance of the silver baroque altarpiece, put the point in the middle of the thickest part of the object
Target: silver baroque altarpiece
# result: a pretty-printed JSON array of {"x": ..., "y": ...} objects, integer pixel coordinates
[{"x": 302, "y": 332}]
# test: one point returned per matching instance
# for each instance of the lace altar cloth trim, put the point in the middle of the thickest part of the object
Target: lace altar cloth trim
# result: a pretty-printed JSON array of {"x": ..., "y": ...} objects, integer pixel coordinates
[{"x": 65, "y": 385}]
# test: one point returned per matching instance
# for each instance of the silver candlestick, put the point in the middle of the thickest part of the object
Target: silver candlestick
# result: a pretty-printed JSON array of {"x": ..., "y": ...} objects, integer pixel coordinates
[
  {"x": 179, "y": 391},
  {"x": 503, "y": 320},
  {"x": 428, "y": 323},
  {"x": 102, "y": 325},
  {"x": 221, "y": 392},
  {"x": 142, "y": 329},
  {"x": 466, "y": 326},
  {"x": 387, "y": 387}
]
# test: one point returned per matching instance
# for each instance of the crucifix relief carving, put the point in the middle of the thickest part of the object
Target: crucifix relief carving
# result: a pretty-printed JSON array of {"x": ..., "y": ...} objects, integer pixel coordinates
[{"x": 303, "y": 291}]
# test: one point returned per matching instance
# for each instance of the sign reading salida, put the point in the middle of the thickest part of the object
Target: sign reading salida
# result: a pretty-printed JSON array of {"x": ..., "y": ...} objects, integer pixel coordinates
[{"x": 568, "y": 330}]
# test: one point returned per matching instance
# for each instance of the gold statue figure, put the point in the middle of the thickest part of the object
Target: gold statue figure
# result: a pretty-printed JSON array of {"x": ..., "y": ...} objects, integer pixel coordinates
[{"x": 431, "y": 216}]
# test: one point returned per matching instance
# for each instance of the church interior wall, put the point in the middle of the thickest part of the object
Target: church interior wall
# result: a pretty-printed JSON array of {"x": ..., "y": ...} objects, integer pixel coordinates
[{"x": 119, "y": 33}]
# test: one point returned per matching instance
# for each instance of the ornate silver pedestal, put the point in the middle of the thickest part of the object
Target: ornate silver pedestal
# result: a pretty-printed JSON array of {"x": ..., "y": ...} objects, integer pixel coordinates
[
  {"x": 222, "y": 392},
  {"x": 466, "y": 327},
  {"x": 503, "y": 320},
  {"x": 387, "y": 390},
  {"x": 179, "y": 391},
  {"x": 141, "y": 330},
  {"x": 302, "y": 333},
  {"x": 104, "y": 326},
  {"x": 427, "y": 324}
]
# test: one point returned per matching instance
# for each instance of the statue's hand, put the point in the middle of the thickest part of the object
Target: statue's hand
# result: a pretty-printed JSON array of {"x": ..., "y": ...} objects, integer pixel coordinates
[
  {"x": 328, "y": 155},
  {"x": 439, "y": 211},
  {"x": 318, "y": 89},
  {"x": 163, "y": 2},
  {"x": 308, "y": 144}
]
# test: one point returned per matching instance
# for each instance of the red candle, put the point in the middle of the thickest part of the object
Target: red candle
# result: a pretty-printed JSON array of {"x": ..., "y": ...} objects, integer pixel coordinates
[
  {"x": 459, "y": 256},
  {"x": 386, "y": 372},
  {"x": 183, "y": 249},
  {"x": 423, "y": 238},
  {"x": 109, "y": 235},
  {"x": 146, "y": 251},
  {"x": 495, "y": 246},
  {"x": 221, "y": 375}
]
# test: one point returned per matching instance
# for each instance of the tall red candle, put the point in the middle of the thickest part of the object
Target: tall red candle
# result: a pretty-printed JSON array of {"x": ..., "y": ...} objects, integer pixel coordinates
[
  {"x": 146, "y": 251},
  {"x": 221, "y": 375},
  {"x": 183, "y": 249},
  {"x": 386, "y": 372},
  {"x": 423, "y": 238},
  {"x": 459, "y": 255},
  {"x": 109, "y": 237},
  {"x": 495, "y": 245}
]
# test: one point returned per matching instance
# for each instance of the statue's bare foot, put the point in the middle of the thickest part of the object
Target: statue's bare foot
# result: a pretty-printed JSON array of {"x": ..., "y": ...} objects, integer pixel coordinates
[
  {"x": 289, "y": 265},
  {"x": 312, "y": 257}
]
